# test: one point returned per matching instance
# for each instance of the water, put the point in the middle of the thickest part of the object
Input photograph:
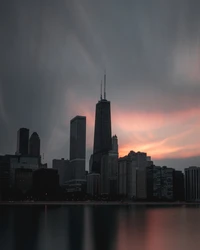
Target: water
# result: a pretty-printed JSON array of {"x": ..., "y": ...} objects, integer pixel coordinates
[{"x": 99, "y": 228}]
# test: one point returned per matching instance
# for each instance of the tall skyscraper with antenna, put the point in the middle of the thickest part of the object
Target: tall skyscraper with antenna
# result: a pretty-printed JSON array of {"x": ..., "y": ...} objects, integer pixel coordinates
[{"x": 102, "y": 133}]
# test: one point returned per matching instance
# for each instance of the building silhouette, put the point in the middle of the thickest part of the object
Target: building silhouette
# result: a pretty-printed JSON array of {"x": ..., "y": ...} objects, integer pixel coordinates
[
  {"x": 178, "y": 185},
  {"x": 192, "y": 183},
  {"x": 64, "y": 170},
  {"x": 167, "y": 182},
  {"x": 102, "y": 132},
  {"x": 109, "y": 170},
  {"x": 153, "y": 185},
  {"x": 78, "y": 146},
  {"x": 22, "y": 141},
  {"x": 34, "y": 145},
  {"x": 132, "y": 175},
  {"x": 45, "y": 181},
  {"x": 93, "y": 184}
]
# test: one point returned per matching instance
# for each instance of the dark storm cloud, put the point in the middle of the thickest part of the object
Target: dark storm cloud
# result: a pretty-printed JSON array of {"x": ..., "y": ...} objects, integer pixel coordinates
[{"x": 50, "y": 50}]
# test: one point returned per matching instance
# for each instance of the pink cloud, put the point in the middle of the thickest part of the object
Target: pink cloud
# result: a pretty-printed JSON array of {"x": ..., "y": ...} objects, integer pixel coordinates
[{"x": 170, "y": 135}]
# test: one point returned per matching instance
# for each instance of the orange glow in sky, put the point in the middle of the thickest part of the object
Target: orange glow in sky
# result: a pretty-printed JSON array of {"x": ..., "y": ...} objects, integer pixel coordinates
[{"x": 160, "y": 135}]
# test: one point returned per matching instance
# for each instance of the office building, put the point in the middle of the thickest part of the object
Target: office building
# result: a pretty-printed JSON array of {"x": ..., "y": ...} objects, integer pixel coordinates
[
  {"x": 4, "y": 176},
  {"x": 93, "y": 184},
  {"x": 123, "y": 176},
  {"x": 153, "y": 178},
  {"x": 109, "y": 170},
  {"x": 78, "y": 146},
  {"x": 22, "y": 141},
  {"x": 102, "y": 131},
  {"x": 75, "y": 186},
  {"x": 167, "y": 182},
  {"x": 178, "y": 186},
  {"x": 23, "y": 179},
  {"x": 132, "y": 175},
  {"x": 64, "y": 170},
  {"x": 34, "y": 145},
  {"x": 45, "y": 181},
  {"x": 18, "y": 162},
  {"x": 192, "y": 184},
  {"x": 141, "y": 164},
  {"x": 127, "y": 173}
]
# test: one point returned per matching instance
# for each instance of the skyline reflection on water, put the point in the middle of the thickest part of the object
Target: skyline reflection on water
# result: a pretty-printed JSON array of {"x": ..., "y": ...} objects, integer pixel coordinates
[{"x": 99, "y": 227}]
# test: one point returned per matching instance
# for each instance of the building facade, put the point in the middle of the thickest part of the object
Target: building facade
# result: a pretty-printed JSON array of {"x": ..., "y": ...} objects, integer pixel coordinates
[
  {"x": 23, "y": 179},
  {"x": 78, "y": 146},
  {"x": 109, "y": 170},
  {"x": 153, "y": 183},
  {"x": 102, "y": 132},
  {"x": 64, "y": 170},
  {"x": 179, "y": 189},
  {"x": 132, "y": 175},
  {"x": 93, "y": 184},
  {"x": 45, "y": 181},
  {"x": 167, "y": 183},
  {"x": 34, "y": 145},
  {"x": 192, "y": 184},
  {"x": 4, "y": 176},
  {"x": 22, "y": 141}
]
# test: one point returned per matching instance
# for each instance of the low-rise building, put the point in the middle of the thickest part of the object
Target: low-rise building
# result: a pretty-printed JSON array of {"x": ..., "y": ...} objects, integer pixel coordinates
[{"x": 93, "y": 184}]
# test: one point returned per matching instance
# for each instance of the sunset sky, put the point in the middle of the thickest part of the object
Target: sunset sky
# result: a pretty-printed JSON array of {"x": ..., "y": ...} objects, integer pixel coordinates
[{"x": 53, "y": 55}]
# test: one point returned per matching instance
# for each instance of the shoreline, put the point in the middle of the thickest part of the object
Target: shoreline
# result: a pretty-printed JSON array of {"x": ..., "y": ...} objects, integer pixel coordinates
[{"x": 95, "y": 203}]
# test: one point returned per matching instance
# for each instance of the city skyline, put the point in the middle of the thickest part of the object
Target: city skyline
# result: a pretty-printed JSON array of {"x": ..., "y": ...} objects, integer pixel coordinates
[{"x": 53, "y": 72}]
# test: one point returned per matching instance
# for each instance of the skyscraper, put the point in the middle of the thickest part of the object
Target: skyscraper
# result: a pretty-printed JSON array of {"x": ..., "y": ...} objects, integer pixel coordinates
[
  {"x": 78, "y": 146},
  {"x": 102, "y": 133},
  {"x": 34, "y": 145},
  {"x": 22, "y": 141}
]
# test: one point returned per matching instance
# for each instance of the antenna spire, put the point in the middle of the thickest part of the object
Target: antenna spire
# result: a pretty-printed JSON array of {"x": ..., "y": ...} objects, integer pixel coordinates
[
  {"x": 105, "y": 85},
  {"x": 101, "y": 91}
]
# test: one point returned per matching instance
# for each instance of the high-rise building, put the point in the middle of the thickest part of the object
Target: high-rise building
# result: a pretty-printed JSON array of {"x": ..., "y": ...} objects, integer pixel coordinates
[
  {"x": 22, "y": 141},
  {"x": 132, "y": 175},
  {"x": 34, "y": 145},
  {"x": 102, "y": 132},
  {"x": 123, "y": 163},
  {"x": 64, "y": 170},
  {"x": 109, "y": 170},
  {"x": 141, "y": 164},
  {"x": 192, "y": 183},
  {"x": 178, "y": 185},
  {"x": 167, "y": 182},
  {"x": 128, "y": 175},
  {"x": 78, "y": 146},
  {"x": 153, "y": 178}
]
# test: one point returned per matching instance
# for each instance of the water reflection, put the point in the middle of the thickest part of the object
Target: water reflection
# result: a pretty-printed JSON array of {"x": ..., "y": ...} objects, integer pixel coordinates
[
  {"x": 99, "y": 227},
  {"x": 131, "y": 228},
  {"x": 104, "y": 226},
  {"x": 76, "y": 225},
  {"x": 25, "y": 227}
]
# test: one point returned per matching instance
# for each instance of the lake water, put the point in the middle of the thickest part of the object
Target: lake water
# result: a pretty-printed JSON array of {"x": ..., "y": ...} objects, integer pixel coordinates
[{"x": 99, "y": 228}]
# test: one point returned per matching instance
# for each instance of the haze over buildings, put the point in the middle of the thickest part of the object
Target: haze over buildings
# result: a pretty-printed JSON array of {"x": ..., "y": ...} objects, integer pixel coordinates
[{"x": 50, "y": 71}]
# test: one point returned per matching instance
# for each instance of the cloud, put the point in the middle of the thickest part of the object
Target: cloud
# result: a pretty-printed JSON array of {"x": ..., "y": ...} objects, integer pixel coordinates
[{"x": 53, "y": 55}]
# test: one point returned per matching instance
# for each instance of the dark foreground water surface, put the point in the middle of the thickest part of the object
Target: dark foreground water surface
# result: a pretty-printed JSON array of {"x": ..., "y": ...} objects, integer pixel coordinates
[{"x": 99, "y": 228}]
